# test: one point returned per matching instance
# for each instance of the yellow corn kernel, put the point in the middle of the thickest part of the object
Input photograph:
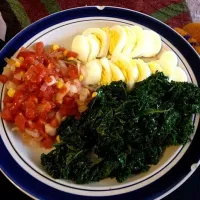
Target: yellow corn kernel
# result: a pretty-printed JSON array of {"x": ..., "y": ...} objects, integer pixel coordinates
[
  {"x": 81, "y": 77},
  {"x": 65, "y": 52},
  {"x": 55, "y": 47},
  {"x": 11, "y": 92},
  {"x": 59, "y": 83},
  {"x": 94, "y": 94},
  {"x": 21, "y": 59},
  {"x": 58, "y": 138},
  {"x": 70, "y": 58},
  {"x": 17, "y": 64}
]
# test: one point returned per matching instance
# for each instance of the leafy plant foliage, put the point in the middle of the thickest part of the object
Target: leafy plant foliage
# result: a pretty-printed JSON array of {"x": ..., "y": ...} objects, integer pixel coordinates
[{"x": 124, "y": 132}]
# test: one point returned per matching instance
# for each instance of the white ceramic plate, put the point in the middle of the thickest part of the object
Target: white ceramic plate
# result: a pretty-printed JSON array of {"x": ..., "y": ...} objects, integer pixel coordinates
[{"x": 60, "y": 28}]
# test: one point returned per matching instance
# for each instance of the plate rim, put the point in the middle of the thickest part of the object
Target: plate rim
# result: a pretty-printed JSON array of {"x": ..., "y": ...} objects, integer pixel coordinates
[{"x": 90, "y": 16}]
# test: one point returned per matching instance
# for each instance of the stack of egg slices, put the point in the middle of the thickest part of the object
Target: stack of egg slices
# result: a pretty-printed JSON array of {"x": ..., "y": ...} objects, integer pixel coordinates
[{"x": 113, "y": 54}]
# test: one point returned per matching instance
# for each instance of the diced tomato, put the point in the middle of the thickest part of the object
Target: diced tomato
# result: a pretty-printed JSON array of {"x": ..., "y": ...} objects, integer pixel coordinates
[
  {"x": 20, "y": 121},
  {"x": 35, "y": 74},
  {"x": 51, "y": 115},
  {"x": 67, "y": 111},
  {"x": 47, "y": 94},
  {"x": 47, "y": 143},
  {"x": 51, "y": 69},
  {"x": 32, "y": 99},
  {"x": 18, "y": 99},
  {"x": 16, "y": 81},
  {"x": 54, "y": 123},
  {"x": 72, "y": 72},
  {"x": 34, "y": 105},
  {"x": 39, "y": 125},
  {"x": 72, "y": 54},
  {"x": 28, "y": 61},
  {"x": 6, "y": 114},
  {"x": 7, "y": 99},
  {"x": 69, "y": 102},
  {"x": 30, "y": 113},
  {"x": 26, "y": 54},
  {"x": 3, "y": 78},
  {"x": 39, "y": 47},
  {"x": 43, "y": 108}
]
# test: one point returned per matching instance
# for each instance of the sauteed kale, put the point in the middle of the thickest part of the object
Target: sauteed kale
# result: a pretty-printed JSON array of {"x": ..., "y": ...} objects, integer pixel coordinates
[{"x": 124, "y": 132}]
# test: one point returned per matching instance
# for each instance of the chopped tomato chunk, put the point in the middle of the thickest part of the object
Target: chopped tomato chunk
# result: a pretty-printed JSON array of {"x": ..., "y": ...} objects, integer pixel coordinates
[
  {"x": 72, "y": 54},
  {"x": 47, "y": 143},
  {"x": 3, "y": 78},
  {"x": 42, "y": 94},
  {"x": 20, "y": 121},
  {"x": 7, "y": 115},
  {"x": 39, "y": 47}
]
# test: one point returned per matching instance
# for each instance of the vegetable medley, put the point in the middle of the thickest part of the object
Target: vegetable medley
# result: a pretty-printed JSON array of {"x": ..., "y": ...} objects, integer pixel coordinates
[
  {"x": 112, "y": 113},
  {"x": 42, "y": 88}
]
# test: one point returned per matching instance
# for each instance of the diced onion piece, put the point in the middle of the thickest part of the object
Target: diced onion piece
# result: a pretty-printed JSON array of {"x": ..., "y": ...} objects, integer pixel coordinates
[
  {"x": 83, "y": 94},
  {"x": 18, "y": 76},
  {"x": 10, "y": 84},
  {"x": 43, "y": 87},
  {"x": 34, "y": 133},
  {"x": 73, "y": 89},
  {"x": 58, "y": 117},
  {"x": 50, "y": 130}
]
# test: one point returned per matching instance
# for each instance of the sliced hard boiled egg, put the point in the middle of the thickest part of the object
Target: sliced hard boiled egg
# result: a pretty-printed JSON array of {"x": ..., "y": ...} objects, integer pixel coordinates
[
  {"x": 94, "y": 47},
  {"x": 169, "y": 57},
  {"x": 155, "y": 67},
  {"x": 128, "y": 68},
  {"x": 81, "y": 46},
  {"x": 138, "y": 49},
  {"x": 168, "y": 61},
  {"x": 157, "y": 43},
  {"x": 178, "y": 75},
  {"x": 144, "y": 70},
  {"x": 130, "y": 42},
  {"x": 118, "y": 39},
  {"x": 103, "y": 37},
  {"x": 117, "y": 74},
  {"x": 106, "y": 76},
  {"x": 92, "y": 72},
  {"x": 152, "y": 43}
]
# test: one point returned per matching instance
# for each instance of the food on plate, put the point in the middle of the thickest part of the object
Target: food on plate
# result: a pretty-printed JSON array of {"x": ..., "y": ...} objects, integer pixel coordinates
[
  {"x": 103, "y": 38},
  {"x": 168, "y": 61},
  {"x": 106, "y": 76},
  {"x": 131, "y": 41},
  {"x": 128, "y": 67},
  {"x": 92, "y": 72},
  {"x": 117, "y": 74},
  {"x": 42, "y": 87},
  {"x": 178, "y": 75},
  {"x": 111, "y": 113},
  {"x": 94, "y": 44},
  {"x": 123, "y": 132},
  {"x": 152, "y": 43},
  {"x": 154, "y": 67},
  {"x": 144, "y": 70},
  {"x": 82, "y": 47},
  {"x": 118, "y": 39}
]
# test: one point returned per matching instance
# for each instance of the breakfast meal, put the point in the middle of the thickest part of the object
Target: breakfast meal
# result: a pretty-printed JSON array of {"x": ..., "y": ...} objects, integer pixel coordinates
[{"x": 109, "y": 106}]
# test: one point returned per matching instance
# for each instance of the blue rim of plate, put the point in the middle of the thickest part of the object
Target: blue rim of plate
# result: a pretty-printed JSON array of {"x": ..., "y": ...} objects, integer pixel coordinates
[{"x": 42, "y": 191}]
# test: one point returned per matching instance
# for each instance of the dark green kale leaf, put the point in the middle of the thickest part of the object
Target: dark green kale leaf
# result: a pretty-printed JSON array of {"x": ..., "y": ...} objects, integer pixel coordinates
[{"x": 124, "y": 132}]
